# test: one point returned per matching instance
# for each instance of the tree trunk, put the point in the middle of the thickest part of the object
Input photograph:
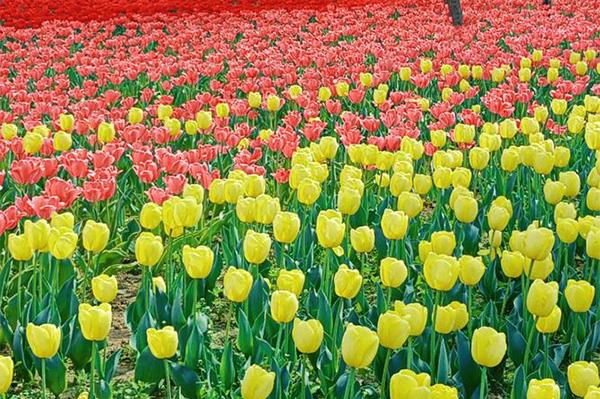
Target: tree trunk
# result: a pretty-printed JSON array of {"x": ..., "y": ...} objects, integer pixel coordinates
[{"x": 456, "y": 12}]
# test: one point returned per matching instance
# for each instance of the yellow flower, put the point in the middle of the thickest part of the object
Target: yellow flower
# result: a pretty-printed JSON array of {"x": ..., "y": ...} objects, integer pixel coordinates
[
  {"x": 195, "y": 191},
  {"x": 450, "y": 318},
  {"x": 422, "y": 184},
  {"x": 359, "y": 346},
  {"x": 237, "y": 284},
  {"x": 392, "y": 330},
  {"x": 19, "y": 248},
  {"x": 538, "y": 242},
  {"x": 366, "y": 79},
  {"x": 148, "y": 249},
  {"x": 135, "y": 115},
  {"x": 106, "y": 132},
  {"x": 539, "y": 269},
  {"x": 580, "y": 295},
  {"x": 512, "y": 264},
  {"x": 44, "y": 340},
  {"x": 307, "y": 335},
  {"x": 65, "y": 219},
  {"x": 406, "y": 384},
  {"x": 592, "y": 393},
  {"x": 286, "y": 226},
  {"x": 415, "y": 314},
  {"x": 543, "y": 389},
  {"x": 62, "y": 141},
  {"x": 410, "y": 203},
  {"x": 198, "y": 261},
  {"x": 571, "y": 181},
  {"x": 425, "y": 65},
  {"x": 443, "y": 242},
  {"x": 245, "y": 209},
  {"x": 62, "y": 242},
  {"x": 567, "y": 230},
  {"x": 542, "y": 297},
  {"x": 204, "y": 119},
  {"x": 222, "y": 110},
  {"x": 330, "y": 229},
  {"x": 95, "y": 236},
  {"x": 466, "y": 209},
  {"x": 256, "y": 246},
  {"x": 105, "y": 288},
  {"x": 592, "y": 243},
  {"x": 441, "y": 391},
  {"x": 488, "y": 347},
  {"x": 151, "y": 215},
  {"x": 291, "y": 280},
  {"x": 37, "y": 234},
  {"x": 348, "y": 200},
  {"x": 273, "y": 103},
  {"x": 95, "y": 321},
  {"x": 162, "y": 343},
  {"x": 158, "y": 284},
  {"x": 7, "y": 368},
  {"x": 392, "y": 272},
  {"x": 394, "y": 224},
  {"x": 554, "y": 191},
  {"x": 347, "y": 282},
  {"x": 257, "y": 383},
  {"x": 582, "y": 375},
  {"x": 324, "y": 94},
  {"x": 284, "y": 305},
  {"x": 362, "y": 239},
  {"x": 559, "y": 106},
  {"x": 550, "y": 323},
  {"x": 32, "y": 142},
  {"x": 254, "y": 99},
  {"x": 471, "y": 269},
  {"x": 479, "y": 158},
  {"x": 441, "y": 271},
  {"x": 342, "y": 88}
]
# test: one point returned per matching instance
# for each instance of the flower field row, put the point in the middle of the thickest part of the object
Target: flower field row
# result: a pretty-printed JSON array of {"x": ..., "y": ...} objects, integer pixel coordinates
[{"x": 344, "y": 200}]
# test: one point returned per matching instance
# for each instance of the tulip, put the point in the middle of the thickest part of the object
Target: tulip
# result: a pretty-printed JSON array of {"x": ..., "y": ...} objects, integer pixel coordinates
[
  {"x": 150, "y": 216},
  {"x": 256, "y": 246},
  {"x": 148, "y": 249},
  {"x": 554, "y": 191},
  {"x": 9, "y": 131},
  {"x": 415, "y": 314},
  {"x": 347, "y": 282},
  {"x": 32, "y": 142},
  {"x": 273, "y": 103},
  {"x": 95, "y": 236},
  {"x": 567, "y": 230},
  {"x": 284, "y": 305},
  {"x": 392, "y": 330},
  {"x": 162, "y": 343},
  {"x": 135, "y": 115},
  {"x": 330, "y": 229},
  {"x": 580, "y": 295},
  {"x": 410, "y": 203},
  {"x": 257, "y": 383},
  {"x": 550, "y": 323},
  {"x": 443, "y": 242},
  {"x": 592, "y": 393},
  {"x": 233, "y": 190},
  {"x": 582, "y": 375},
  {"x": 512, "y": 264},
  {"x": 66, "y": 220},
  {"x": 95, "y": 321},
  {"x": 393, "y": 272},
  {"x": 538, "y": 243},
  {"x": 471, "y": 269},
  {"x": 104, "y": 288},
  {"x": 394, "y": 224},
  {"x": 266, "y": 207},
  {"x": 237, "y": 284},
  {"x": 479, "y": 158},
  {"x": 62, "y": 242},
  {"x": 291, "y": 280},
  {"x": 592, "y": 199},
  {"x": 440, "y": 391},
  {"x": 442, "y": 177},
  {"x": 539, "y": 269},
  {"x": 542, "y": 298},
  {"x": 198, "y": 261},
  {"x": 488, "y": 347},
  {"x": 62, "y": 141},
  {"x": 37, "y": 234},
  {"x": 286, "y": 226},
  {"x": 158, "y": 284},
  {"x": 359, "y": 346},
  {"x": 465, "y": 209},
  {"x": 106, "y": 132},
  {"x": 195, "y": 191},
  {"x": 254, "y": 99},
  {"x": 307, "y": 335},
  {"x": 592, "y": 243},
  {"x": 19, "y": 248},
  {"x": 348, "y": 200},
  {"x": 441, "y": 272},
  {"x": 6, "y": 373},
  {"x": 44, "y": 340},
  {"x": 245, "y": 209},
  {"x": 543, "y": 389},
  {"x": 498, "y": 218},
  {"x": 407, "y": 384},
  {"x": 400, "y": 183},
  {"x": 362, "y": 239},
  {"x": 204, "y": 119}
]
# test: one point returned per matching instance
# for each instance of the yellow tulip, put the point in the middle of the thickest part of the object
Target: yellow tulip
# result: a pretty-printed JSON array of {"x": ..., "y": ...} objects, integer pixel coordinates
[
  {"x": 512, "y": 264},
  {"x": 254, "y": 99},
  {"x": 347, "y": 282},
  {"x": 592, "y": 243},
  {"x": 237, "y": 284},
  {"x": 441, "y": 271},
  {"x": 295, "y": 91},
  {"x": 135, "y": 115},
  {"x": 95, "y": 321},
  {"x": 550, "y": 323},
  {"x": 286, "y": 226},
  {"x": 410, "y": 203},
  {"x": 222, "y": 110},
  {"x": 542, "y": 297},
  {"x": 162, "y": 343},
  {"x": 348, "y": 200},
  {"x": 488, "y": 347},
  {"x": 95, "y": 236},
  {"x": 538, "y": 242},
  {"x": 571, "y": 181},
  {"x": 284, "y": 305},
  {"x": 554, "y": 191},
  {"x": 443, "y": 242},
  {"x": 466, "y": 209},
  {"x": 592, "y": 393},
  {"x": 441, "y": 391},
  {"x": 148, "y": 249},
  {"x": 580, "y": 295},
  {"x": 415, "y": 314},
  {"x": 62, "y": 141},
  {"x": 559, "y": 106},
  {"x": 106, "y": 132},
  {"x": 471, "y": 269},
  {"x": 362, "y": 239},
  {"x": 44, "y": 340},
  {"x": 451, "y": 318},
  {"x": 37, "y": 234},
  {"x": 9, "y": 131},
  {"x": 406, "y": 384},
  {"x": 150, "y": 215},
  {"x": 32, "y": 142},
  {"x": 392, "y": 272},
  {"x": 307, "y": 335},
  {"x": 330, "y": 229},
  {"x": 256, "y": 246},
  {"x": 392, "y": 330},
  {"x": 198, "y": 262},
  {"x": 592, "y": 199},
  {"x": 582, "y": 375},
  {"x": 291, "y": 280},
  {"x": 233, "y": 190},
  {"x": 309, "y": 191},
  {"x": 104, "y": 288},
  {"x": 543, "y": 389},
  {"x": 7, "y": 368},
  {"x": 359, "y": 346},
  {"x": 273, "y": 103},
  {"x": 19, "y": 248},
  {"x": 257, "y": 383},
  {"x": 394, "y": 224},
  {"x": 567, "y": 230},
  {"x": 539, "y": 269},
  {"x": 245, "y": 209},
  {"x": 62, "y": 242}
]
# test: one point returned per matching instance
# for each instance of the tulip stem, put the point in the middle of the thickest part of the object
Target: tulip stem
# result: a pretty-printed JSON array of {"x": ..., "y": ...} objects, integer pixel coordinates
[
  {"x": 303, "y": 376},
  {"x": 528, "y": 346},
  {"x": 167, "y": 378},
  {"x": 229, "y": 311},
  {"x": 469, "y": 308},
  {"x": 432, "y": 343},
  {"x": 574, "y": 338},
  {"x": 384, "y": 376},
  {"x": 482, "y": 385},
  {"x": 43, "y": 378},
  {"x": 19, "y": 298},
  {"x": 546, "y": 360},
  {"x": 349, "y": 391},
  {"x": 93, "y": 371},
  {"x": 409, "y": 360}
]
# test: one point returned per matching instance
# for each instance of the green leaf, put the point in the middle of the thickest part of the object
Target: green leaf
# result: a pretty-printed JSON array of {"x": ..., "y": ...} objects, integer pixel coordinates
[
  {"x": 519, "y": 388},
  {"x": 468, "y": 370},
  {"x": 245, "y": 340},
  {"x": 516, "y": 343},
  {"x": 56, "y": 374},
  {"x": 226, "y": 368},
  {"x": 148, "y": 368},
  {"x": 443, "y": 364},
  {"x": 185, "y": 378}
]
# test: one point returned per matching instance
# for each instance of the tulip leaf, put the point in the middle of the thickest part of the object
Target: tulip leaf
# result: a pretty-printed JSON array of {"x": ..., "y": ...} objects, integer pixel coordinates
[
  {"x": 103, "y": 390},
  {"x": 67, "y": 300},
  {"x": 227, "y": 368},
  {"x": 468, "y": 370},
  {"x": 80, "y": 350},
  {"x": 245, "y": 340},
  {"x": 177, "y": 316},
  {"x": 324, "y": 313},
  {"x": 257, "y": 299},
  {"x": 186, "y": 379},
  {"x": 139, "y": 340},
  {"x": 148, "y": 368},
  {"x": 56, "y": 374},
  {"x": 443, "y": 368},
  {"x": 519, "y": 388},
  {"x": 111, "y": 365},
  {"x": 516, "y": 343}
]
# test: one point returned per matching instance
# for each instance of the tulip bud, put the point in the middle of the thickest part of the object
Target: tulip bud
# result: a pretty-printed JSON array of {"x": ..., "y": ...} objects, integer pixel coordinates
[
  {"x": 198, "y": 261},
  {"x": 162, "y": 343},
  {"x": 580, "y": 295},
  {"x": 273, "y": 103},
  {"x": 237, "y": 284},
  {"x": 441, "y": 271},
  {"x": 362, "y": 239},
  {"x": 592, "y": 243},
  {"x": 330, "y": 229},
  {"x": 135, "y": 115},
  {"x": 222, "y": 110},
  {"x": 291, "y": 280},
  {"x": 62, "y": 141},
  {"x": 392, "y": 330},
  {"x": 554, "y": 191},
  {"x": 95, "y": 321},
  {"x": 394, "y": 224},
  {"x": 256, "y": 246},
  {"x": 347, "y": 282},
  {"x": 550, "y": 323},
  {"x": 257, "y": 383},
  {"x": 443, "y": 242},
  {"x": 359, "y": 346},
  {"x": 9, "y": 131},
  {"x": 512, "y": 263},
  {"x": 415, "y": 314},
  {"x": 307, "y": 335},
  {"x": 408, "y": 384},
  {"x": 284, "y": 305},
  {"x": 19, "y": 247},
  {"x": 542, "y": 297},
  {"x": 95, "y": 236},
  {"x": 471, "y": 269},
  {"x": 62, "y": 242},
  {"x": 393, "y": 272},
  {"x": 104, "y": 288},
  {"x": 488, "y": 347},
  {"x": 582, "y": 375},
  {"x": 543, "y": 389},
  {"x": 44, "y": 340},
  {"x": 106, "y": 132}
]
